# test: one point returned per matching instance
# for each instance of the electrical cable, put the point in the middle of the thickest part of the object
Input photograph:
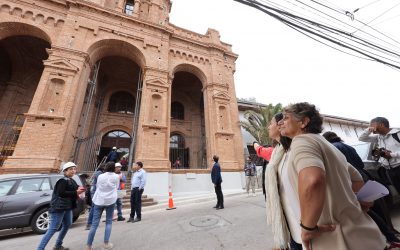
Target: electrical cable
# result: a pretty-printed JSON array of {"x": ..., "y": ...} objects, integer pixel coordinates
[
  {"x": 314, "y": 32},
  {"x": 357, "y": 28},
  {"x": 371, "y": 3},
  {"x": 327, "y": 27},
  {"x": 377, "y": 17}
]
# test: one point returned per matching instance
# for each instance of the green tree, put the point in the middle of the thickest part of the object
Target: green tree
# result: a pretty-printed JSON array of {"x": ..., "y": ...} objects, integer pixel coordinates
[{"x": 257, "y": 122}]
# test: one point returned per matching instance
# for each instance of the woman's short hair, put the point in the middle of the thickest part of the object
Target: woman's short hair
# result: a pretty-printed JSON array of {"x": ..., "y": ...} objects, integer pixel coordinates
[
  {"x": 285, "y": 141},
  {"x": 110, "y": 167},
  {"x": 302, "y": 110},
  {"x": 331, "y": 137}
]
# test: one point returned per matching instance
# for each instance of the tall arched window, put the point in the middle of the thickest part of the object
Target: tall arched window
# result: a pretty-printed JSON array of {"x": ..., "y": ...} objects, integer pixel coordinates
[
  {"x": 176, "y": 141},
  {"x": 177, "y": 111},
  {"x": 178, "y": 154},
  {"x": 121, "y": 102}
]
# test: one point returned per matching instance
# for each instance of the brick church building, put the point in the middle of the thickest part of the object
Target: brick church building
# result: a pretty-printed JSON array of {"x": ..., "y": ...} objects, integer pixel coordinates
[{"x": 79, "y": 77}]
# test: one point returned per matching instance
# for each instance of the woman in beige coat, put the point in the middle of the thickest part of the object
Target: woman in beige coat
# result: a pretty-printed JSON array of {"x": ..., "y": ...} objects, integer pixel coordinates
[{"x": 320, "y": 185}]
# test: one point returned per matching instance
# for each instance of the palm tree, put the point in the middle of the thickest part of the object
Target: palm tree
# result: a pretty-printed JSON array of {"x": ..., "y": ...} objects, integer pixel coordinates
[{"x": 257, "y": 122}]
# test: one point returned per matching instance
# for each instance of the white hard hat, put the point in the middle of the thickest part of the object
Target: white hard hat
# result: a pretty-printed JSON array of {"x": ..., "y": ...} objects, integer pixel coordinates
[
  {"x": 114, "y": 147},
  {"x": 67, "y": 165},
  {"x": 118, "y": 165}
]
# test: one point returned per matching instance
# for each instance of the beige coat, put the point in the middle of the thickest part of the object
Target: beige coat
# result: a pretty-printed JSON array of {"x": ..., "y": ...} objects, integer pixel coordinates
[{"x": 354, "y": 228}]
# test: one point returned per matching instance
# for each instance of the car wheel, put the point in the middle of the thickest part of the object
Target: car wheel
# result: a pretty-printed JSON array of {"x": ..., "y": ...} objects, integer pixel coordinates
[{"x": 40, "y": 221}]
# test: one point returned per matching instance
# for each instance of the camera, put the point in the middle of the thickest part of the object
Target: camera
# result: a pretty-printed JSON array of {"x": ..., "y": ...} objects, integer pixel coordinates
[{"x": 378, "y": 153}]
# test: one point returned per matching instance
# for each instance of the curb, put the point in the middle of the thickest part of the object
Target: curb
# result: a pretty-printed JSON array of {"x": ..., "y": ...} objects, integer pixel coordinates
[{"x": 181, "y": 201}]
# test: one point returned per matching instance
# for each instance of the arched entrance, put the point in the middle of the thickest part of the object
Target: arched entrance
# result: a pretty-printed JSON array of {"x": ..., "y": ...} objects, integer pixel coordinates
[
  {"x": 188, "y": 139},
  {"x": 112, "y": 100},
  {"x": 21, "y": 66},
  {"x": 117, "y": 138}
]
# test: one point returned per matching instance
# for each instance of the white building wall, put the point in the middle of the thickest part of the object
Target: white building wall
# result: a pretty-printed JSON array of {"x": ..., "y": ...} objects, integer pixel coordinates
[
  {"x": 190, "y": 184},
  {"x": 157, "y": 184}
]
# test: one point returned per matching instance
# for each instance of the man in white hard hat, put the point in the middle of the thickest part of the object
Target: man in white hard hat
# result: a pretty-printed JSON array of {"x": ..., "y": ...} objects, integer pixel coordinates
[
  {"x": 113, "y": 155},
  {"x": 122, "y": 180}
]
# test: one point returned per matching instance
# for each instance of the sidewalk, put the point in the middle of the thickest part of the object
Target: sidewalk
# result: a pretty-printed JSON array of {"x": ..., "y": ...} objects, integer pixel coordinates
[{"x": 182, "y": 200}]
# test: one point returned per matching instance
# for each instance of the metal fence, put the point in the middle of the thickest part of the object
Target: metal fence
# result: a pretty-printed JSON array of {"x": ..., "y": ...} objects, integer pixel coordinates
[
  {"x": 87, "y": 151},
  {"x": 10, "y": 130}
]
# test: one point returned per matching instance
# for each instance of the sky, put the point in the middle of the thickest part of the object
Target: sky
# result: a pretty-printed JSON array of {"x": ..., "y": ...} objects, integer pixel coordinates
[{"x": 277, "y": 64}]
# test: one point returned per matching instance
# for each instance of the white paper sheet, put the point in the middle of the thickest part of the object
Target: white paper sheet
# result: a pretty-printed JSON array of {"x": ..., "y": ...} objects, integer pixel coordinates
[{"x": 371, "y": 191}]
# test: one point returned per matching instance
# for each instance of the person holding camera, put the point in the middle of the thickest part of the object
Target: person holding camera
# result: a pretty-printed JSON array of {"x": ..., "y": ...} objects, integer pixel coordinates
[{"x": 388, "y": 150}]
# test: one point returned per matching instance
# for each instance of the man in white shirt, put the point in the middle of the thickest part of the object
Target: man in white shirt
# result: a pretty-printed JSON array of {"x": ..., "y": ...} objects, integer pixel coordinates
[
  {"x": 138, "y": 182},
  {"x": 388, "y": 142}
]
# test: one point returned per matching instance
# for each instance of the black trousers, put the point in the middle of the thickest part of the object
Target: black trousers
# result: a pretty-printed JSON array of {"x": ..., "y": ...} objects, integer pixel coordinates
[
  {"x": 394, "y": 174},
  {"x": 385, "y": 230},
  {"x": 220, "y": 196},
  {"x": 136, "y": 203}
]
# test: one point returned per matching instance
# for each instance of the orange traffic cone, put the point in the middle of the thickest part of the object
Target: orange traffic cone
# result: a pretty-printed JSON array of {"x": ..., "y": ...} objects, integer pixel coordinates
[{"x": 170, "y": 202}]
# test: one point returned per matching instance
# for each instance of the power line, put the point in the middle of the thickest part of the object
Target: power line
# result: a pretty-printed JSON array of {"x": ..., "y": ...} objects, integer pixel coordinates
[
  {"x": 347, "y": 13},
  {"x": 371, "y": 3},
  {"x": 377, "y": 17},
  {"x": 370, "y": 50},
  {"x": 347, "y": 35}
]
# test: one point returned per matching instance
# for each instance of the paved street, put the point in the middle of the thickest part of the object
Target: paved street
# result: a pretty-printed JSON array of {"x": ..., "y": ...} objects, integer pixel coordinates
[{"x": 241, "y": 225}]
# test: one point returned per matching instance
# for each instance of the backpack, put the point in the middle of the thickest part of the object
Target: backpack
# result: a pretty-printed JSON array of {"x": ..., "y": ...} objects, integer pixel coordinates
[{"x": 396, "y": 137}]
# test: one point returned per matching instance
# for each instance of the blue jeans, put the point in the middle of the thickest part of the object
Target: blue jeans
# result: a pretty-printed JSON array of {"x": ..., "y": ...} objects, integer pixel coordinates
[
  {"x": 90, "y": 216},
  {"x": 97, "y": 212},
  {"x": 56, "y": 220},
  {"x": 119, "y": 207}
]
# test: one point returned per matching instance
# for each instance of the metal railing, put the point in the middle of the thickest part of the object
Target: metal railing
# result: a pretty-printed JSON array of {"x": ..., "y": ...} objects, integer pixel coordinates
[{"x": 9, "y": 134}]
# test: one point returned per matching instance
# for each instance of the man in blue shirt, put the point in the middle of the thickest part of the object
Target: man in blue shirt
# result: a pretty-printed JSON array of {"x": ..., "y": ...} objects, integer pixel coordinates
[
  {"x": 216, "y": 179},
  {"x": 138, "y": 182}
]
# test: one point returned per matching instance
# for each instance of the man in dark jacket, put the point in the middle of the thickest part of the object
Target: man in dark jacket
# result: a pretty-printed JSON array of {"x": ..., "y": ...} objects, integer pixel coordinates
[
  {"x": 113, "y": 155},
  {"x": 217, "y": 180}
]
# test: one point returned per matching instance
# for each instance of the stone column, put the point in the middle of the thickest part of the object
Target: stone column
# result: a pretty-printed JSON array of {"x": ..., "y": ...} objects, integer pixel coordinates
[
  {"x": 120, "y": 5},
  {"x": 48, "y": 133},
  {"x": 153, "y": 131},
  {"x": 136, "y": 7}
]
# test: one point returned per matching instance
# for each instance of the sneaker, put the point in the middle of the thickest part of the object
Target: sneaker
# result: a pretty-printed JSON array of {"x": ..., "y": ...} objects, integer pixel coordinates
[
  {"x": 108, "y": 246},
  {"x": 120, "y": 219},
  {"x": 136, "y": 220},
  {"x": 130, "y": 219},
  {"x": 88, "y": 226},
  {"x": 60, "y": 248}
]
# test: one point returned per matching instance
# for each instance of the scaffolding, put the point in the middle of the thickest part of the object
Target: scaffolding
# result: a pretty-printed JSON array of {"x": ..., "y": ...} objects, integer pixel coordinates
[
  {"x": 9, "y": 134},
  {"x": 87, "y": 149}
]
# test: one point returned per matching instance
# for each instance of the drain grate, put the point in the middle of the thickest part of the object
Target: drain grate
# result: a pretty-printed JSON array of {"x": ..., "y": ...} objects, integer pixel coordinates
[{"x": 206, "y": 221}]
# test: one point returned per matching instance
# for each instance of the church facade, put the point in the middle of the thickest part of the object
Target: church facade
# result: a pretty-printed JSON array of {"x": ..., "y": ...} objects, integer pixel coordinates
[{"x": 80, "y": 77}]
